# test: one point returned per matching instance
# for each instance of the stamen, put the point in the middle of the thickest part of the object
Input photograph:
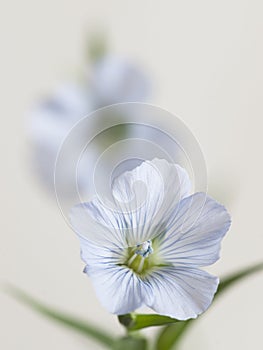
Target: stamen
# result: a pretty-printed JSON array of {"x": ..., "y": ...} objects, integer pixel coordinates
[
  {"x": 141, "y": 265},
  {"x": 130, "y": 261}
]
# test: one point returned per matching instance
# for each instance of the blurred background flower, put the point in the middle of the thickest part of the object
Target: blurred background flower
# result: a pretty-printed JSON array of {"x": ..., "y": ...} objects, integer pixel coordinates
[{"x": 110, "y": 79}]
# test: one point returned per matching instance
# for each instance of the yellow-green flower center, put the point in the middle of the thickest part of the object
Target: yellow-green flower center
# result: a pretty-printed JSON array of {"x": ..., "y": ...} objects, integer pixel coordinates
[{"x": 141, "y": 258}]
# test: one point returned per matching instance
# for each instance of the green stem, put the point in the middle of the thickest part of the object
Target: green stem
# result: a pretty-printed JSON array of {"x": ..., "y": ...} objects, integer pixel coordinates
[{"x": 131, "y": 342}]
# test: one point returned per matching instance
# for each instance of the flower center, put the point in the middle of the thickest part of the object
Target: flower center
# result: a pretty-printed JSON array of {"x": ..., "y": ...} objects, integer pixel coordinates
[{"x": 140, "y": 258}]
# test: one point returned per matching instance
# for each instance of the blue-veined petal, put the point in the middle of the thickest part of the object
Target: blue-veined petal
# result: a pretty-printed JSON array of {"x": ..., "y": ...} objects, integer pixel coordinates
[
  {"x": 117, "y": 288},
  {"x": 194, "y": 234},
  {"x": 179, "y": 292},
  {"x": 148, "y": 194},
  {"x": 99, "y": 224},
  {"x": 94, "y": 254},
  {"x": 144, "y": 197}
]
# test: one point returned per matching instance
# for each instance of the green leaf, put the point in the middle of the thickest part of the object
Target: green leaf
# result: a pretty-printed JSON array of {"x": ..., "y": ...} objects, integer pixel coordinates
[
  {"x": 229, "y": 280},
  {"x": 130, "y": 343},
  {"x": 61, "y": 317},
  {"x": 134, "y": 322},
  {"x": 170, "y": 335}
]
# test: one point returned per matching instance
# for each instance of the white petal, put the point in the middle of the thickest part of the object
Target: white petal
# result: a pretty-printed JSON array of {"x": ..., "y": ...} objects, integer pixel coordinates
[
  {"x": 137, "y": 212},
  {"x": 194, "y": 235},
  {"x": 117, "y": 288},
  {"x": 98, "y": 224},
  {"x": 148, "y": 194},
  {"x": 179, "y": 293},
  {"x": 95, "y": 255}
]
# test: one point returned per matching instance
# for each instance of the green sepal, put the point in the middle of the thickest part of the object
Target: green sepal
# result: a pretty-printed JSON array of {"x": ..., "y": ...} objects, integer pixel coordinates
[{"x": 135, "y": 322}]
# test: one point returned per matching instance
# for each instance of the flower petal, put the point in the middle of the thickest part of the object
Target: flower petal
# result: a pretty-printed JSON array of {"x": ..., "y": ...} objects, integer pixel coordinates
[
  {"x": 193, "y": 237},
  {"x": 96, "y": 255},
  {"x": 136, "y": 213},
  {"x": 117, "y": 288},
  {"x": 98, "y": 224},
  {"x": 178, "y": 292},
  {"x": 148, "y": 194}
]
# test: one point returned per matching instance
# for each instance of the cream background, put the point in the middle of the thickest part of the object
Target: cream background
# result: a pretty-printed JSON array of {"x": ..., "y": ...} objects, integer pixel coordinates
[{"x": 206, "y": 59}]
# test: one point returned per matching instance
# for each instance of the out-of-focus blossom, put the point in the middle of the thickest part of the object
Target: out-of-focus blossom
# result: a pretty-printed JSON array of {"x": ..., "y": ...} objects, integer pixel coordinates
[
  {"x": 112, "y": 80},
  {"x": 115, "y": 79},
  {"x": 151, "y": 254},
  {"x": 51, "y": 121}
]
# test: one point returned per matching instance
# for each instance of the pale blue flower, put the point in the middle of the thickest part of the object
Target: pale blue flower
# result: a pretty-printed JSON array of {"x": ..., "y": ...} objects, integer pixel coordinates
[
  {"x": 50, "y": 123},
  {"x": 115, "y": 79},
  {"x": 112, "y": 80},
  {"x": 148, "y": 247}
]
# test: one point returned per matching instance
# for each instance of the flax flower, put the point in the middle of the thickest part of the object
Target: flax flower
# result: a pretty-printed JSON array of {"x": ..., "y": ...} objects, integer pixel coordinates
[{"x": 147, "y": 246}]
